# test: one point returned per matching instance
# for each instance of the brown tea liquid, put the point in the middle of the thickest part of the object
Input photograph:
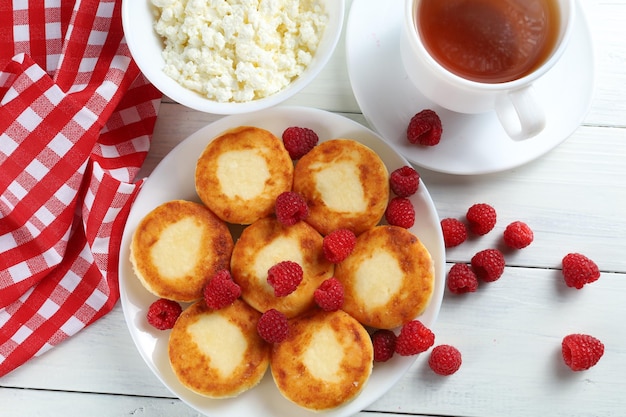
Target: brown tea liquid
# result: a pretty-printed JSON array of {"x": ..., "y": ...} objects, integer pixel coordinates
[{"x": 489, "y": 41}]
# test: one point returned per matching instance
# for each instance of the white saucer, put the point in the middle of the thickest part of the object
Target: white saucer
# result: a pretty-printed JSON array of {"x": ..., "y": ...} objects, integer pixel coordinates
[{"x": 471, "y": 144}]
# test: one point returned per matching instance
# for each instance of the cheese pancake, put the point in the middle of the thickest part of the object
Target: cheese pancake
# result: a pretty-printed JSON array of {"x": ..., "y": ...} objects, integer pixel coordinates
[
  {"x": 177, "y": 247},
  {"x": 325, "y": 361},
  {"x": 241, "y": 172},
  {"x": 345, "y": 185},
  {"x": 388, "y": 278},
  {"x": 218, "y": 353},
  {"x": 267, "y": 242}
]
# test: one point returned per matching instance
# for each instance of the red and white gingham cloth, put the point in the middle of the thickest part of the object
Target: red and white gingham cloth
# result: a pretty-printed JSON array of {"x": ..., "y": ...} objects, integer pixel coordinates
[{"x": 76, "y": 120}]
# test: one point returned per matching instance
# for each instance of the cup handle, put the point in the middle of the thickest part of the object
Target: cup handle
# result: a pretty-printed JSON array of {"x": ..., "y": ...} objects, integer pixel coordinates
[{"x": 520, "y": 114}]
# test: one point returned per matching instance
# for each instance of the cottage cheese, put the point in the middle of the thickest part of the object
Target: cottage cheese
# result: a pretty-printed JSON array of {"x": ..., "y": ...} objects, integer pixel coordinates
[{"x": 238, "y": 50}]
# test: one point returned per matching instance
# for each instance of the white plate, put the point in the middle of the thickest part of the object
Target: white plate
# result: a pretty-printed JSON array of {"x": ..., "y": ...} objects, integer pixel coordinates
[
  {"x": 173, "y": 178},
  {"x": 471, "y": 144}
]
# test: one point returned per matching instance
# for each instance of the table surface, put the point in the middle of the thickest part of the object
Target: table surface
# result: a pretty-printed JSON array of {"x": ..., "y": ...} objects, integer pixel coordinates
[{"x": 509, "y": 331}]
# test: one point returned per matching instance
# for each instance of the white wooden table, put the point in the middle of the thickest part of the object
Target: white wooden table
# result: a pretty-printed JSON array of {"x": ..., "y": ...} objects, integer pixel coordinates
[{"x": 509, "y": 332}]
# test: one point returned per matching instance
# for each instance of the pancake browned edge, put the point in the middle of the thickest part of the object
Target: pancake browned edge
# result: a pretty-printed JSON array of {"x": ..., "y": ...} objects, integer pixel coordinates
[
  {"x": 267, "y": 242},
  {"x": 345, "y": 184},
  {"x": 177, "y": 247},
  {"x": 218, "y": 353},
  {"x": 388, "y": 278},
  {"x": 325, "y": 362},
  {"x": 241, "y": 172}
]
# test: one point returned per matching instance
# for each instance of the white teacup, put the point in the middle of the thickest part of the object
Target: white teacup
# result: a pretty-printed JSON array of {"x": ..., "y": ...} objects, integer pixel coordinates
[{"x": 513, "y": 100}]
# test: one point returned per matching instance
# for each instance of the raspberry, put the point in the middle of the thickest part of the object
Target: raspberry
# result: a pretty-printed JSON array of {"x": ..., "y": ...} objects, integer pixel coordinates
[
  {"x": 404, "y": 181},
  {"x": 285, "y": 277},
  {"x": 163, "y": 313},
  {"x": 445, "y": 360},
  {"x": 461, "y": 279},
  {"x": 273, "y": 326},
  {"x": 488, "y": 264},
  {"x": 579, "y": 270},
  {"x": 221, "y": 290},
  {"x": 481, "y": 218},
  {"x": 454, "y": 232},
  {"x": 384, "y": 342},
  {"x": 400, "y": 212},
  {"x": 299, "y": 141},
  {"x": 414, "y": 338},
  {"x": 329, "y": 295},
  {"x": 337, "y": 245},
  {"x": 518, "y": 235},
  {"x": 424, "y": 128},
  {"x": 290, "y": 208},
  {"x": 581, "y": 351}
]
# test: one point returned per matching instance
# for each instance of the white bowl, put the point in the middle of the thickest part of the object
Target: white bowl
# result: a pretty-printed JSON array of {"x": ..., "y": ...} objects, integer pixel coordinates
[{"x": 146, "y": 47}]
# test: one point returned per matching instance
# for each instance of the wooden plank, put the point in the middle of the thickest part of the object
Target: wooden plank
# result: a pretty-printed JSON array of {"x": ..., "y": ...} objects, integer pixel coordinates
[{"x": 31, "y": 403}]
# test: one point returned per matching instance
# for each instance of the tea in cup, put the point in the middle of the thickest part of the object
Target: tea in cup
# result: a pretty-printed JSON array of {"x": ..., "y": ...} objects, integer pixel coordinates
[{"x": 474, "y": 56}]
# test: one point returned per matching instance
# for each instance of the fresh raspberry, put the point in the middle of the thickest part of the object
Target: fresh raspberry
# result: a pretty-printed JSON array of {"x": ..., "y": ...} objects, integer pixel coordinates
[
  {"x": 273, "y": 326},
  {"x": 481, "y": 218},
  {"x": 579, "y": 270},
  {"x": 454, "y": 232},
  {"x": 338, "y": 244},
  {"x": 400, "y": 212},
  {"x": 488, "y": 264},
  {"x": 329, "y": 295},
  {"x": 581, "y": 351},
  {"x": 285, "y": 277},
  {"x": 518, "y": 235},
  {"x": 414, "y": 338},
  {"x": 445, "y": 360},
  {"x": 163, "y": 313},
  {"x": 290, "y": 208},
  {"x": 384, "y": 342},
  {"x": 461, "y": 279},
  {"x": 404, "y": 181},
  {"x": 299, "y": 141},
  {"x": 221, "y": 290},
  {"x": 424, "y": 128}
]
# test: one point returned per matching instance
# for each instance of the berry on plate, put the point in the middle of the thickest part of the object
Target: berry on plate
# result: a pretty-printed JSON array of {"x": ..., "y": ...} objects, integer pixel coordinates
[
  {"x": 481, "y": 218},
  {"x": 221, "y": 290},
  {"x": 445, "y": 360},
  {"x": 579, "y": 270},
  {"x": 290, "y": 208},
  {"x": 488, "y": 264},
  {"x": 424, "y": 128},
  {"x": 461, "y": 279},
  {"x": 285, "y": 277},
  {"x": 581, "y": 351},
  {"x": 273, "y": 326},
  {"x": 384, "y": 342},
  {"x": 404, "y": 181},
  {"x": 329, "y": 295},
  {"x": 338, "y": 245},
  {"x": 454, "y": 232},
  {"x": 518, "y": 235},
  {"x": 400, "y": 212},
  {"x": 414, "y": 338},
  {"x": 299, "y": 141},
  {"x": 163, "y": 313}
]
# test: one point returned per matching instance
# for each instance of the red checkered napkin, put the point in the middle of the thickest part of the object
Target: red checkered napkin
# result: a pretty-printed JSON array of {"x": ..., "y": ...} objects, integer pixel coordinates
[{"x": 76, "y": 119}]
